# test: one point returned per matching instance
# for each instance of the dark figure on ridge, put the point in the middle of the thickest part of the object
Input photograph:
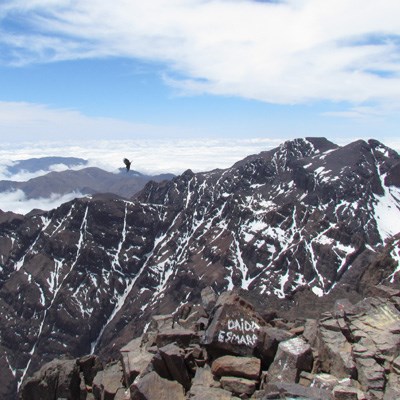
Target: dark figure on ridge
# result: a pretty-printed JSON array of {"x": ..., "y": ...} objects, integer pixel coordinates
[{"x": 127, "y": 164}]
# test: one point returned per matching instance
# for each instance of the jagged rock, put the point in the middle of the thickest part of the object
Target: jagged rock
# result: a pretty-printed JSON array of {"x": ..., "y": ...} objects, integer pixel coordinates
[
  {"x": 108, "y": 381},
  {"x": 311, "y": 331},
  {"x": 335, "y": 352},
  {"x": 196, "y": 313},
  {"x": 159, "y": 323},
  {"x": 234, "y": 328},
  {"x": 342, "y": 392},
  {"x": 270, "y": 339},
  {"x": 379, "y": 321},
  {"x": 211, "y": 393},
  {"x": 325, "y": 381},
  {"x": 277, "y": 390},
  {"x": 56, "y": 379},
  {"x": 174, "y": 359},
  {"x": 242, "y": 367},
  {"x": 135, "y": 359},
  {"x": 90, "y": 365},
  {"x": 370, "y": 375},
  {"x": 152, "y": 387},
  {"x": 392, "y": 390},
  {"x": 238, "y": 386},
  {"x": 208, "y": 298},
  {"x": 182, "y": 337},
  {"x": 292, "y": 357}
]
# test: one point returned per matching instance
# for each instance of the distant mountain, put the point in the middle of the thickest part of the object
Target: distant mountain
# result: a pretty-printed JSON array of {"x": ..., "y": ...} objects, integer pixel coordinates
[
  {"x": 294, "y": 227},
  {"x": 85, "y": 181},
  {"x": 44, "y": 164}
]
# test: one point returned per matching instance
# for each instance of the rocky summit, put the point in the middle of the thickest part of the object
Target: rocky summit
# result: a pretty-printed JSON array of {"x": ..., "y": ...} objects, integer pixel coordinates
[
  {"x": 231, "y": 352},
  {"x": 294, "y": 228}
]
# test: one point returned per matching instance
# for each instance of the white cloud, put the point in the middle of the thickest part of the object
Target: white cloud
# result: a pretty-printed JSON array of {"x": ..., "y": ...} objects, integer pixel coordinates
[
  {"x": 17, "y": 202},
  {"x": 281, "y": 52},
  {"x": 35, "y": 122}
]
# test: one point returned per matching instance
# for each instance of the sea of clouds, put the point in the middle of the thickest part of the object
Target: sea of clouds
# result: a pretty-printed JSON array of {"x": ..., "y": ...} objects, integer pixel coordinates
[{"x": 150, "y": 157}]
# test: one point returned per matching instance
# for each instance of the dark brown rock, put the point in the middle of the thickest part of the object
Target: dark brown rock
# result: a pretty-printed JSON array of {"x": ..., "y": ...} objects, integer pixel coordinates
[
  {"x": 238, "y": 386},
  {"x": 182, "y": 337},
  {"x": 271, "y": 337},
  {"x": 335, "y": 352},
  {"x": 244, "y": 367},
  {"x": 56, "y": 379},
  {"x": 174, "y": 359},
  {"x": 135, "y": 360},
  {"x": 153, "y": 387},
  {"x": 108, "y": 381},
  {"x": 234, "y": 328},
  {"x": 90, "y": 365},
  {"x": 279, "y": 389},
  {"x": 292, "y": 357}
]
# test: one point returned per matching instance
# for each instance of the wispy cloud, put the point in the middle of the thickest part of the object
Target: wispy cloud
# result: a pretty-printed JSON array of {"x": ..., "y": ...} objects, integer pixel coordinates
[
  {"x": 34, "y": 122},
  {"x": 279, "y": 52}
]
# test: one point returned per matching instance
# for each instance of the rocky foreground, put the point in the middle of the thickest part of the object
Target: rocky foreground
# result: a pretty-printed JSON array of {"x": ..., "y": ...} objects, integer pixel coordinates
[{"x": 225, "y": 349}]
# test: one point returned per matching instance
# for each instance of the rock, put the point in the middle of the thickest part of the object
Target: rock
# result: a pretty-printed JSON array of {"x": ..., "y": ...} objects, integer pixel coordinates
[
  {"x": 182, "y": 337},
  {"x": 242, "y": 367},
  {"x": 56, "y": 379},
  {"x": 211, "y": 394},
  {"x": 392, "y": 390},
  {"x": 90, "y": 365},
  {"x": 234, "y": 328},
  {"x": 277, "y": 390},
  {"x": 208, "y": 298},
  {"x": 335, "y": 352},
  {"x": 152, "y": 387},
  {"x": 370, "y": 374},
  {"x": 311, "y": 332},
  {"x": 135, "y": 360},
  {"x": 159, "y": 323},
  {"x": 173, "y": 357},
  {"x": 292, "y": 357},
  {"x": 347, "y": 393},
  {"x": 238, "y": 386},
  {"x": 108, "y": 381},
  {"x": 268, "y": 346},
  {"x": 325, "y": 381},
  {"x": 203, "y": 378}
]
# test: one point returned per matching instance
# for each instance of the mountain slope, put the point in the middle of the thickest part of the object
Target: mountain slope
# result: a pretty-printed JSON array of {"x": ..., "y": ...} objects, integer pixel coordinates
[{"x": 88, "y": 275}]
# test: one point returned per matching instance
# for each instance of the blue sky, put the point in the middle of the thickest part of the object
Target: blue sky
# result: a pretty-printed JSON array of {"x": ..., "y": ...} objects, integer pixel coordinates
[{"x": 189, "y": 69}]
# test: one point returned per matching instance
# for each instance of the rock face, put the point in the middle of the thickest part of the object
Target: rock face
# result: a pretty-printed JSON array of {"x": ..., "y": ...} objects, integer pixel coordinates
[
  {"x": 305, "y": 222},
  {"x": 299, "y": 368}
]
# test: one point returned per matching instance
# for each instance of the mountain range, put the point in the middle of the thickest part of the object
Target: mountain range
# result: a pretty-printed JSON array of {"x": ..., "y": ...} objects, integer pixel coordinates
[
  {"x": 85, "y": 180},
  {"x": 295, "y": 228}
]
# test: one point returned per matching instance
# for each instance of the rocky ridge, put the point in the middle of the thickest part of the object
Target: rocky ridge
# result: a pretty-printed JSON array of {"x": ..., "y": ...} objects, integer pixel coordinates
[{"x": 224, "y": 349}]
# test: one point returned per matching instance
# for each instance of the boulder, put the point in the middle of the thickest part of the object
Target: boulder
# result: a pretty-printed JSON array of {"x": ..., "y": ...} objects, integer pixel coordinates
[
  {"x": 174, "y": 358},
  {"x": 108, "y": 381},
  {"x": 152, "y": 387},
  {"x": 292, "y": 357},
  {"x": 335, "y": 352},
  {"x": 181, "y": 336},
  {"x": 238, "y": 386},
  {"x": 89, "y": 365},
  {"x": 242, "y": 367},
  {"x": 268, "y": 345},
  {"x": 135, "y": 360},
  {"x": 56, "y": 379},
  {"x": 342, "y": 392},
  {"x": 234, "y": 328},
  {"x": 278, "y": 390}
]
